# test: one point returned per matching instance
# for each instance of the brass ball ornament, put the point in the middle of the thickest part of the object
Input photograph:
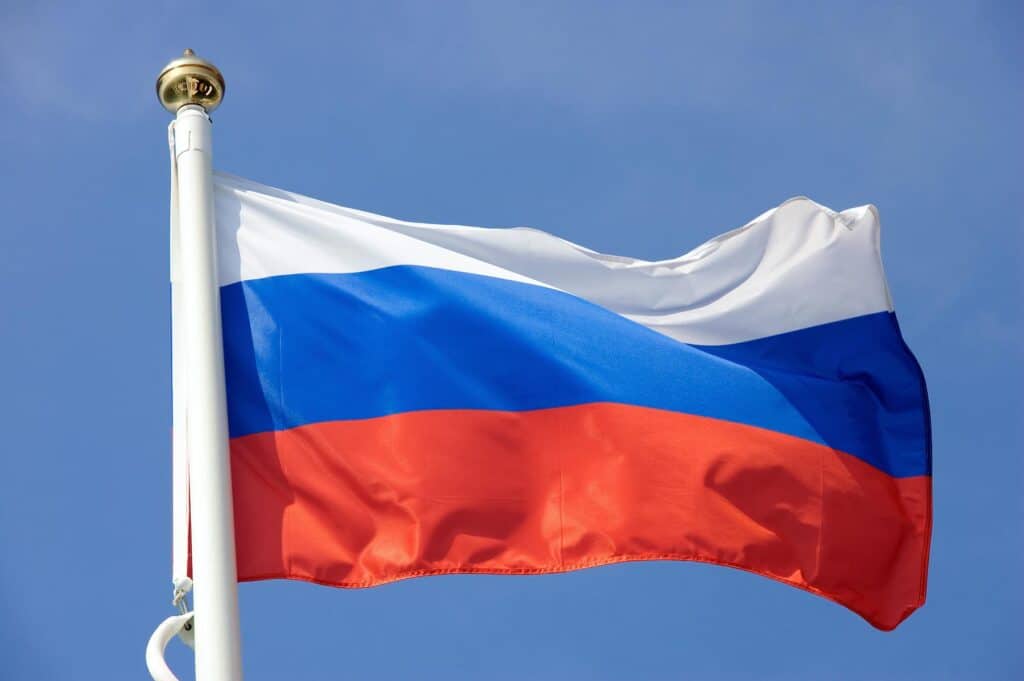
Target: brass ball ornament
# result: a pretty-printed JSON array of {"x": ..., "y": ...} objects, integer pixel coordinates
[{"x": 190, "y": 80}]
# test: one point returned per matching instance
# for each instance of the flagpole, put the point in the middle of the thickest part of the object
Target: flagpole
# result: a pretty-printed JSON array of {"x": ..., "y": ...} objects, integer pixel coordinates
[{"x": 190, "y": 88}]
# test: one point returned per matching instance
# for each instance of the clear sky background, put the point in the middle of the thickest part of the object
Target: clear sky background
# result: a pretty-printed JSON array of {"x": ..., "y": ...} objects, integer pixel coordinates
[{"x": 640, "y": 128}]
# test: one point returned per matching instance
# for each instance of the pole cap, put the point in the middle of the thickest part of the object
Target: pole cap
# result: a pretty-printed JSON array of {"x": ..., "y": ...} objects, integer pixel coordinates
[{"x": 190, "y": 80}]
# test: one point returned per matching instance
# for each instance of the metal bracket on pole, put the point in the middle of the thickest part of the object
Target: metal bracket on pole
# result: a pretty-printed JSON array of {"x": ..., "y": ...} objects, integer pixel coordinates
[{"x": 157, "y": 644}]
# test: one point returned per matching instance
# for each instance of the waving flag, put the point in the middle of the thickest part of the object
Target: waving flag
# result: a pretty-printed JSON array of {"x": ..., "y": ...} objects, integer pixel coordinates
[{"x": 408, "y": 399}]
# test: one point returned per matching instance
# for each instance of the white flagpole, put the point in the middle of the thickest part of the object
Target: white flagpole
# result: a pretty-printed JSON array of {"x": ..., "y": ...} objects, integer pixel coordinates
[{"x": 190, "y": 88}]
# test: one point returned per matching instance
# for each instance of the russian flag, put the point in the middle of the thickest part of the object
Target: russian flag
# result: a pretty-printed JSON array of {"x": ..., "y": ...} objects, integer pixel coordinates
[{"x": 408, "y": 399}]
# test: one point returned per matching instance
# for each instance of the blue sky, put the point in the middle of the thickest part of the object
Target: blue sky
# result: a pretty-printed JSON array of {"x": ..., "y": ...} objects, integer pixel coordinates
[{"x": 639, "y": 128}]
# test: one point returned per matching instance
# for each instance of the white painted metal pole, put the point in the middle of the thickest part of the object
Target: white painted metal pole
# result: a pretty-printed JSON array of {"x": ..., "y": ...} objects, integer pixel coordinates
[
  {"x": 215, "y": 590},
  {"x": 191, "y": 87}
]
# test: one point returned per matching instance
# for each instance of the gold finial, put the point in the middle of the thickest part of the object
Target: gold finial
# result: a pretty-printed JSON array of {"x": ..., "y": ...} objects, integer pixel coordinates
[{"x": 190, "y": 80}]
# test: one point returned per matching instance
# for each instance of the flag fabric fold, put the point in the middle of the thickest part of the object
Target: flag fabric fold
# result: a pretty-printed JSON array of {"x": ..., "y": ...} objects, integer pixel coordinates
[{"x": 408, "y": 399}]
